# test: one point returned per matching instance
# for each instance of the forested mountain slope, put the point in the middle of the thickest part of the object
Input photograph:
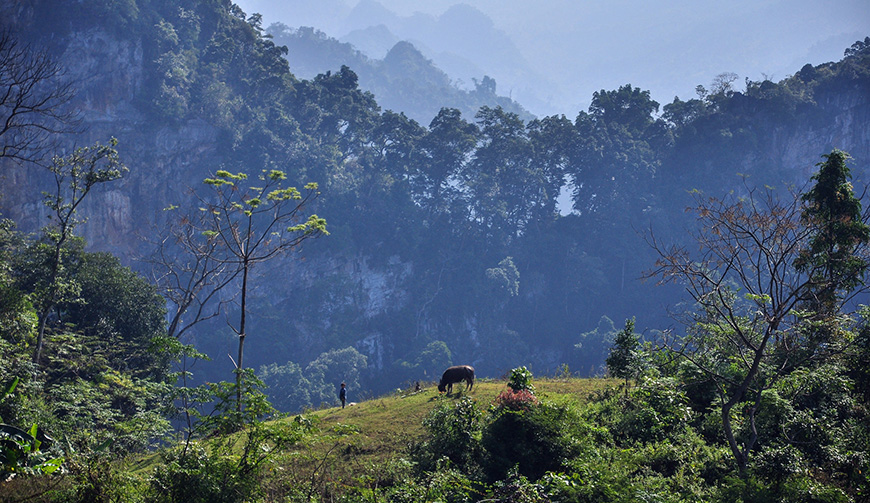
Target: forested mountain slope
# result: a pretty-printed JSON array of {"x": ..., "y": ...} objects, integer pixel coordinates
[
  {"x": 445, "y": 240},
  {"x": 403, "y": 81}
]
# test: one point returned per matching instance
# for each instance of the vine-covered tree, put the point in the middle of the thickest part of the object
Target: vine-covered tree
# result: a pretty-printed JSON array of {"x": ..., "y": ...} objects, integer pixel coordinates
[{"x": 832, "y": 258}]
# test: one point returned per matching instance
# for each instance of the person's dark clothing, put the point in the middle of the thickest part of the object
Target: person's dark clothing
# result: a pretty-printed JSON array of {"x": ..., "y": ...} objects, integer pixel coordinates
[{"x": 342, "y": 395}]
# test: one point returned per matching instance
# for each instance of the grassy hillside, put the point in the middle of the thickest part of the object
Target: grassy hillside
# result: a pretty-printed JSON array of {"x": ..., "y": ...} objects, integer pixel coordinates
[
  {"x": 364, "y": 447},
  {"x": 585, "y": 440},
  {"x": 358, "y": 449},
  {"x": 380, "y": 429}
]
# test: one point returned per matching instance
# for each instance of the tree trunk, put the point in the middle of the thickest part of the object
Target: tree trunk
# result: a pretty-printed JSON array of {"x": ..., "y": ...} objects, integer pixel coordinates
[
  {"x": 739, "y": 458},
  {"x": 741, "y": 455},
  {"x": 40, "y": 337},
  {"x": 239, "y": 363},
  {"x": 49, "y": 303}
]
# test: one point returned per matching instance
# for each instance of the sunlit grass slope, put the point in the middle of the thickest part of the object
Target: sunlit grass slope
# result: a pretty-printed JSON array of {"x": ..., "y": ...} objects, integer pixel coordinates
[{"x": 367, "y": 434}]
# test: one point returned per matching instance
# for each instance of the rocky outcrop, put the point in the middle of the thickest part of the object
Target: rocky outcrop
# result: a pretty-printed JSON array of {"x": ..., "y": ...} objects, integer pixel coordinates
[
  {"x": 163, "y": 159},
  {"x": 841, "y": 121}
]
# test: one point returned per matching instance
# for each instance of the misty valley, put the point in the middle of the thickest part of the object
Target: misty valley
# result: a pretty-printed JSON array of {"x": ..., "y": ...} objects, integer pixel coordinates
[{"x": 226, "y": 275}]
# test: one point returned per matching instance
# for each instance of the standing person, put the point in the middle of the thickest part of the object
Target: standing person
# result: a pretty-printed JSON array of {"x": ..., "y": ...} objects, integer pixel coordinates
[{"x": 342, "y": 395}]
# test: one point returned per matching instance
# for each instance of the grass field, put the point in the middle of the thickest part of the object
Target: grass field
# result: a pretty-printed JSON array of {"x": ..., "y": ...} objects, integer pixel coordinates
[
  {"x": 355, "y": 446},
  {"x": 352, "y": 442}
]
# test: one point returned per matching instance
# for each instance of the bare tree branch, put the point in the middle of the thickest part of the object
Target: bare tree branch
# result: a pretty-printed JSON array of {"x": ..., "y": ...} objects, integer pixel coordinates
[
  {"x": 748, "y": 326},
  {"x": 34, "y": 99}
]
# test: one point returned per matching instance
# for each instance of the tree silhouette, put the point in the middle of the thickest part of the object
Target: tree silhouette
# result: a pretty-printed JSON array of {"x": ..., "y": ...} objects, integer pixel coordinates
[{"x": 33, "y": 102}]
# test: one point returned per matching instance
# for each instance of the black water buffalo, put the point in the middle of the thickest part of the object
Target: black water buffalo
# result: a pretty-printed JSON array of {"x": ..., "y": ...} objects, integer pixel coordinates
[{"x": 457, "y": 374}]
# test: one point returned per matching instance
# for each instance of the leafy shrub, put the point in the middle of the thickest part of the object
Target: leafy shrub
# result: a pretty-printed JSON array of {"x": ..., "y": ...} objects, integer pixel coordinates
[
  {"x": 796, "y": 490},
  {"x": 521, "y": 380},
  {"x": 442, "y": 484},
  {"x": 535, "y": 440},
  {"x": 227, "y": 469},
  {"x": 516, "y": 488},
  {"x": 592, "y": 482},
  {"x": 195, "y": 476},
  {"x": 663, "y": 457},
  {"x": 657, "y": 409},
  {"x": 516, "y": 400},
  {"x": 229, "y": 416},
  {"x": 113, "y": 407},
  {"x": 700, "y": 387},
  {"x": 454, "y": 433},
  {"x": 777, "y": 464},
  {"x": 98, "y": 477},
  {"x": 667, "y": 471}
]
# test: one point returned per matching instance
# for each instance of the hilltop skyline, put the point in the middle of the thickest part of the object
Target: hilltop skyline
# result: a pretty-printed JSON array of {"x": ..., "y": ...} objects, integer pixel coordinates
[{"x": 552, "y": 56}]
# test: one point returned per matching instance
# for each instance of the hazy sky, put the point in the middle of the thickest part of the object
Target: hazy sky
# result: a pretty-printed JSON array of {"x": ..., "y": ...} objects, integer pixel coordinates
[{"x": 575, "y": 47}]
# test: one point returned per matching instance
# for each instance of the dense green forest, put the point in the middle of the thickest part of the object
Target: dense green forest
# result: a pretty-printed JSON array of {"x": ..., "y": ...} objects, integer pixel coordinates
[{"x": 218, "y": 196}]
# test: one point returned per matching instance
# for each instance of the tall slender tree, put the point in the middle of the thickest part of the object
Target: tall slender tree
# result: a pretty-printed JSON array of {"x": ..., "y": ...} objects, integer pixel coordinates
[
  {"x": 832, "y": 258},
  {"x": 253, "y": 224}
]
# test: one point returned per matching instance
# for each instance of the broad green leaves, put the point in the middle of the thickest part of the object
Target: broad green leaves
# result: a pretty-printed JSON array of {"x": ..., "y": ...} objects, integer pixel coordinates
[{"x": 20, "y": 453}]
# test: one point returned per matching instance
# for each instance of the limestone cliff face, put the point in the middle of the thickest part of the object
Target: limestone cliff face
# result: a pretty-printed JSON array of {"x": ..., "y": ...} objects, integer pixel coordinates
[
  {"x": 843, "y": 122},
  {"x": 320, "y": 293},
  {"x": 163, "y": 159}
]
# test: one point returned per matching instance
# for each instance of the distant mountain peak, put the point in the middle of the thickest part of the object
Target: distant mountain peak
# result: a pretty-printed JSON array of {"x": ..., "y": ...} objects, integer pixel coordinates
[
  {"x": 403, "y": 50},
  {"x": 466, "y": 16},
  {"x": 373, "y": 41},
  {"x": 370, "y": 13}
]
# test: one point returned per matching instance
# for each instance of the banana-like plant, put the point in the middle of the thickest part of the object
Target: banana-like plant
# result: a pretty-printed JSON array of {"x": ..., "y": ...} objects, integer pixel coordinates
[{"x": 21, "y": 451}]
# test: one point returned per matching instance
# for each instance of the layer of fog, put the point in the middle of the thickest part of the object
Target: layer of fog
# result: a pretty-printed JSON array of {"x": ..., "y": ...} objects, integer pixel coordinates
[{"x": 551, "y": 55}]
